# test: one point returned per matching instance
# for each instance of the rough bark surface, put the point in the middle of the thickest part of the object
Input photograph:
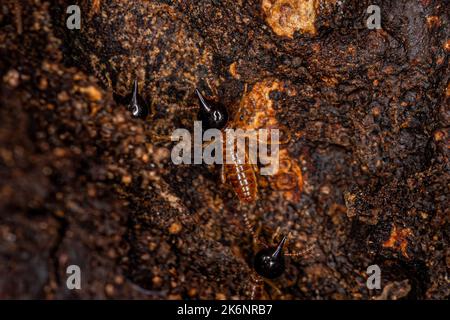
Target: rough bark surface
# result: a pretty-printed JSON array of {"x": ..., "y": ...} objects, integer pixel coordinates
[{"x": 82, "y": 182}]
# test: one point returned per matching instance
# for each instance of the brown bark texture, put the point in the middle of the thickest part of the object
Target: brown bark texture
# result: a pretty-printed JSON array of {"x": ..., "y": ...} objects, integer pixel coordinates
[{"x": 364, "y": 178}]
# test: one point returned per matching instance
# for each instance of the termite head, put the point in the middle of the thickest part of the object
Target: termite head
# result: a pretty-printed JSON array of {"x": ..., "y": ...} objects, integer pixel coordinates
[
  {"x": 269, "y": 262},
  {"x": 213, "y": 115},
  {"x": 137, "y": 105}
]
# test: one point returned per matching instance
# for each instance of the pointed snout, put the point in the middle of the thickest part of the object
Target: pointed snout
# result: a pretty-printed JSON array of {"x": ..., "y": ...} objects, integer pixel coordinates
[
  {"x": 279, "y": 248},
  {"x": 203, "y": 104}
]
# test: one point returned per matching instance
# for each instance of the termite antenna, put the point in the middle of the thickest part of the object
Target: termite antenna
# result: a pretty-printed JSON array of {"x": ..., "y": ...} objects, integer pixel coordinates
[
  {"x": 301, "y": 253},
  {"x": 249, "y": 226}
]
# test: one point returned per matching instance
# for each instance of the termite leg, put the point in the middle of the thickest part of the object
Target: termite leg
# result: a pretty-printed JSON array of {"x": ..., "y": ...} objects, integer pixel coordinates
[
  {"x": 256, "y": 285},
  {"x": 284, "y": 132},
  {"x": 206, "y": 143},
  {"x": 253, "y": 233},
  {"x": 213, "y": 90},
  {"x": 243, "y": 94},
  {"x": 255, "y": 168},
  {"x": 152, "y": 109},
  {"x": 276, "y": 234},
  {"x": 256, "y": 239},
  {"x": 240, "y": 107},
  {"x": 273, "y": 286},
  {"x": 161, "y": 138},
  {"x": 223, "y": 178},
  {"x": 302, "y": 253}
]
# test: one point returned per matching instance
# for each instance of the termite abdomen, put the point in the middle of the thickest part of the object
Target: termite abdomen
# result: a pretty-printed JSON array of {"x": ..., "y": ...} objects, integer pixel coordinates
[
  {"x": 242, "y": 178},
  {"x": 240, "y": 174}
]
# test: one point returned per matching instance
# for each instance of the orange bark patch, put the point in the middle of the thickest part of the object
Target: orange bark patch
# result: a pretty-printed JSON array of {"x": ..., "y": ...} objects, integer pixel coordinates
[
  {"x": 233, "y": 71},
  {"x": 287, "y": 16},
  {"x": 398, "y": 240},
  {"x": 91, "y": 92},
  {"x": 95, "y": 7},
  {"x": 447, "y": 45},
  {"x": 433, "y": 22},
  {"x": 175, "y": 228},
  {"x": 258, "y": 113}
]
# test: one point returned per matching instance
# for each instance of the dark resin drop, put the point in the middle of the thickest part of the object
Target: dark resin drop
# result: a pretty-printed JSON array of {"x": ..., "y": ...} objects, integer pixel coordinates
[
  {"x": 212, "y": 114},
  {"x": 137, "y": 105},
  {"x": 269, "y": 262}
]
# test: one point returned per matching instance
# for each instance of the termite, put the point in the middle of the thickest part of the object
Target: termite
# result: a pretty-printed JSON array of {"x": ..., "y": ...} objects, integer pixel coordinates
[
  {"x": 240, "y": 174},
  {"x": 269, "y": 261}
]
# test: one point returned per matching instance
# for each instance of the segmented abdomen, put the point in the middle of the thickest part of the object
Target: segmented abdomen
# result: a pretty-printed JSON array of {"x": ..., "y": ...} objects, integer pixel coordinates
[{"x": 242, "y": 178}]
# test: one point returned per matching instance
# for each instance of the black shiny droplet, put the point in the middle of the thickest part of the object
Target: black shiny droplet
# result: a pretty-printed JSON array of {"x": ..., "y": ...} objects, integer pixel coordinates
[
  {"x": 212, "y": 114},
  {"x": 137, "y": 105},
  {"x": 269, "y": 262}
]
